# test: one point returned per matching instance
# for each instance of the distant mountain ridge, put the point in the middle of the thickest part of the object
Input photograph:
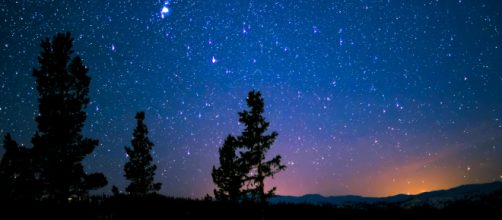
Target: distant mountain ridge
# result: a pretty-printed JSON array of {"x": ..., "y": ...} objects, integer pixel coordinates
[{"x": 437, "y": 199}]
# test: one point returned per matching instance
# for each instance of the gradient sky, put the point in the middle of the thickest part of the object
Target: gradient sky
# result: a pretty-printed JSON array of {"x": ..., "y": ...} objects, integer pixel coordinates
[{"x": 369, "y": 97}]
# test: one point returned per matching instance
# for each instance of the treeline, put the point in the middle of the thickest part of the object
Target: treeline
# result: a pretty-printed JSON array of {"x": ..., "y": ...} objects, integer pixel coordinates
[{"x": 52, "y": 170}]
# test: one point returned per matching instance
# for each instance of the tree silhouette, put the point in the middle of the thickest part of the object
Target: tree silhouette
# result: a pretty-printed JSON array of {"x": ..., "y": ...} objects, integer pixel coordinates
[
  {"x": 58, "y": 145},
  {"x": 243, "y": 176},
  {"x": 257, "y": 143},
  {"x": 16, "y": 177},
  {"x": 139, "y": 169},
  {"x": 230, "y": 176},
  {"x": 9, "y": 167}
]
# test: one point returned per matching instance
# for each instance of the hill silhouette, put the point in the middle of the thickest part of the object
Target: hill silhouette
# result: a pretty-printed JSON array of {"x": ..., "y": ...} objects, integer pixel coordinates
[
  {"x": 435, "y": 199},
  {"x": 459, "y": 201}
]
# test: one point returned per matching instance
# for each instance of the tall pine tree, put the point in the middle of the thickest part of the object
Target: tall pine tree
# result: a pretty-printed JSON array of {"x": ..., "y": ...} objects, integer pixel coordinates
[
  {"x": 140, "y": 169},
  {"x": 17, "y": 181},
  {"x": 58, "y": 145},
  {"x": 248, "y": 170},
  {"x": 230, "y": 176},
  {"x": 9, "y": 168},
  {"x": 256, "y": 144}
]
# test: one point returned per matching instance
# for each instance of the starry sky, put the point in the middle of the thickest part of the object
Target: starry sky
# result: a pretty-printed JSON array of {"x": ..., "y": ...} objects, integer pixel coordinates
[{"x": 369, "y": 97}]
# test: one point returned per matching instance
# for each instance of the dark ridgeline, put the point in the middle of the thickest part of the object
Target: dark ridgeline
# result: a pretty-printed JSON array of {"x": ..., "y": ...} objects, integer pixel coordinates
[
  {"x": 241, "y": 177},
  {"x": 52, "y": 169},
  {"x": 140, "y": 169}
]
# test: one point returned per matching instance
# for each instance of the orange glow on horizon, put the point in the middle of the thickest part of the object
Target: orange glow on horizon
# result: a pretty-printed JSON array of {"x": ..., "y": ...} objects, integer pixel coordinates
[
  {"x": 387, "y": 184},
  {"x": 388, "y": 179}
]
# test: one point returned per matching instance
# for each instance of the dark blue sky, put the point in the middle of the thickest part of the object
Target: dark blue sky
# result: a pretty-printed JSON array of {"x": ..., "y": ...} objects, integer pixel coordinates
[{"x": 368, "y": 97}]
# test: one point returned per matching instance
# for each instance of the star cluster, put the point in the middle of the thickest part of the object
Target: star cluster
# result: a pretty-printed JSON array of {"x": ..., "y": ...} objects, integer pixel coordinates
[{"x": 368, "y": 97}]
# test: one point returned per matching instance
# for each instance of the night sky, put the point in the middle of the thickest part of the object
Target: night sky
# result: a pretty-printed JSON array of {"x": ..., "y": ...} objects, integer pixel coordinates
[{"x": 370, "y": 98}]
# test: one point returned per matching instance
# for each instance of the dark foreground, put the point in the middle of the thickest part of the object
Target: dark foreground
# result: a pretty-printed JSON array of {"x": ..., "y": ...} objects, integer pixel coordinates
[{"x": 160, "y": 207}]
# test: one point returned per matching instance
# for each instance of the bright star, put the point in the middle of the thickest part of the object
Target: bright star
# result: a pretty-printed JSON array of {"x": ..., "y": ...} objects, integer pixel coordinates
[
  {"x": 165, "y": 10},
  {"x": 213, "y": 60}
]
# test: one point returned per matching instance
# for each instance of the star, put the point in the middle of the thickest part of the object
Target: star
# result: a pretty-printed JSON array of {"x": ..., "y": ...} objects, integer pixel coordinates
[{"x": 165, "y": 10}]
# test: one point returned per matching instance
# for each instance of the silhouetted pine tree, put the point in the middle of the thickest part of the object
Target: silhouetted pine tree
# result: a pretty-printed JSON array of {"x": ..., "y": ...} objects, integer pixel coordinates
[
  {"x": 256, "y": 144},
  {"x": 16, "y": 177},
  {"x": 229, "y": 177},
  {"x": 58, "y": 144},
  {"x": 140, "y": 169},
  {"x": 242, "y": 176},
  {"x": 9, "y": 168}
]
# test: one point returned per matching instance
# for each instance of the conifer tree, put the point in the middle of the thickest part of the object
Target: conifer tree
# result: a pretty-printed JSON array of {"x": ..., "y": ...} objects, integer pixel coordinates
[
  {"x": 58, "y": 145},
  {"x": 9, "y": 167},
  {"x": 140, "y": 169},
  {"x": 256, "y": 144},
  {"x": 16, "y": 177},
  {"x": 229, "y": 177},
  {"x": 243, "y": 176}
]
